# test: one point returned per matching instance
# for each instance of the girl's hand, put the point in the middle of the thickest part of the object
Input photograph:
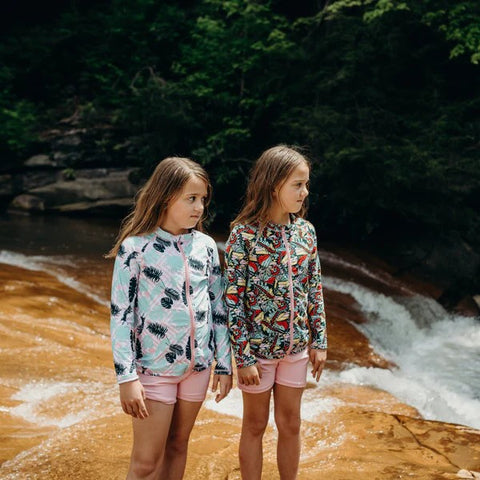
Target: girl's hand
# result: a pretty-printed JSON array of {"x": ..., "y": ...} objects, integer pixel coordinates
[
  {"x": 225, "y": 382},
  {"x": 318, "y": 358},
  {"x": 249, "y": 375},
  {"x": 132, "y": 398}
]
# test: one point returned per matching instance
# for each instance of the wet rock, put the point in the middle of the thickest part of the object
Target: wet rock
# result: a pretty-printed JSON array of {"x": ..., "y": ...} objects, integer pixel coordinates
[
  {"x": 95, "y": 190},
  {"x": 29, "y": 203},
  {"x": 40, "y": 161}
]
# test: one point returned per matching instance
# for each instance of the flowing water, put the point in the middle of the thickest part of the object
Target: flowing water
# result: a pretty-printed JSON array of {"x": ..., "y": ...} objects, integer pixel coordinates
[{"x": 436, "y": 355}]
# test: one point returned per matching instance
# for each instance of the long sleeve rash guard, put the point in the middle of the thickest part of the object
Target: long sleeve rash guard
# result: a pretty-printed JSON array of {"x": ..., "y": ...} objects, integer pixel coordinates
[
  {"x": 274, "y": 291},
  {"x": 167, "y": 306}
]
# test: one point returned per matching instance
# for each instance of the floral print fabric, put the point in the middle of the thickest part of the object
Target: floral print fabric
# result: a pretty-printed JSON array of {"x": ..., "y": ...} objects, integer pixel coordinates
[{"x": 274, "y": 291}]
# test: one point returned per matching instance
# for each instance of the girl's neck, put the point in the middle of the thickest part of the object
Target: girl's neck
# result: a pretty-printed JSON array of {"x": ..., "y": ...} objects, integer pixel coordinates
[
  {"x": 173, "y": 230},
  {"x": 278, "y": 216}
]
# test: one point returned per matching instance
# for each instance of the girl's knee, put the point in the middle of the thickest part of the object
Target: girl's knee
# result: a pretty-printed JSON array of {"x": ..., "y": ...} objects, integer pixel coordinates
[
  {"x": 143, "y": 467},
  {"x": 177, "y": 443},
  {"x": 255, "y": 427},
  {"x": 288, "y": 424}
]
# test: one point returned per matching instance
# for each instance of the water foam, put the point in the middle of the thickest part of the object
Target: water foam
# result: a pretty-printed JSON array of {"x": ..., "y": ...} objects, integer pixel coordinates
[
  {"x": 90, "y": 399},
  {"x": 437, "y": 354}
]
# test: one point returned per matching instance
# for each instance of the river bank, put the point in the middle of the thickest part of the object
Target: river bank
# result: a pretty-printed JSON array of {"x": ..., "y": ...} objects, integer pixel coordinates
[{"x": 59, "y": 408}]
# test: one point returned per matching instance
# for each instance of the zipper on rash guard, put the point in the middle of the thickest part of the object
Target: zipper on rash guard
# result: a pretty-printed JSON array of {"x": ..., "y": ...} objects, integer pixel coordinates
[
  {"x": 190, "y": 309},
  {"x": 290, "y": 288}
]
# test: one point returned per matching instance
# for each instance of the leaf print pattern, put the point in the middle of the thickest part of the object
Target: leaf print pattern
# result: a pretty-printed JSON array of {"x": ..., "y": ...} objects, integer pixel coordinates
[
  {"x": 184, "y": 295},
  {"x": 126, "y": 313},
  {"x": 129, "y": 258},
  {"x": 153, "y": 273},
  {"x": 119, "y": 369},
  {"x": 219, "y": 318},
  {"x": 114, "y": 309},
  {"x": 176, "y": 349},
  {"x": 141, "y": 325},
  {"x": 211, "y": 342},
  {"x": 132, "y": 289},
  {"x": 149, "y": 307},
  {"x": 166, "y": 302},
  {"x": 188, "y": 350},
  {"x": 173, "y": 294},
  {"x": 157, "y": 329},
  {"x": 138, "y": 349},
  {"x": 221, "y": 368},
  {"x": 196, "y": 264},
  {"x": 133, "y": 366},
  {"x": 160, "y": 244}
]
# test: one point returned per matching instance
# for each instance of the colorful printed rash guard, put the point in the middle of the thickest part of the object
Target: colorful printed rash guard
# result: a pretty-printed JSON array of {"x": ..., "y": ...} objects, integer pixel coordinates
[
  {"x": 167, "y": 295},
  {"x": 274, "y": 291}
]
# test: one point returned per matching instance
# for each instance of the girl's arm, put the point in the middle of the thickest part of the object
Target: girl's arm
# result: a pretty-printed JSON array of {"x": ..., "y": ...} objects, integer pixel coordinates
[
  {"x": 316, "y": 309},
  {"x": 316, "y": 313},
  {"x": 236, "y": 259},
  {"x": 124, "y": 294},
  {"x": 219, "y": 314}
]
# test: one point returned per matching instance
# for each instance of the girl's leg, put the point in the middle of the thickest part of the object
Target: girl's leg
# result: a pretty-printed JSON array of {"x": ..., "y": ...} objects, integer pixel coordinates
[
  {"x": 175, "y": 458},
  {"x": 287, "y": 418},
  {"x": 149, "y": 439},
  {"x": 256, "y": 408}
]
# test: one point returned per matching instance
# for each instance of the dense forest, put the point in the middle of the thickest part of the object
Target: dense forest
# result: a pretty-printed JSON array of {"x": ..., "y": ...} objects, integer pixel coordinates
[{"x": 382, "y": 95}]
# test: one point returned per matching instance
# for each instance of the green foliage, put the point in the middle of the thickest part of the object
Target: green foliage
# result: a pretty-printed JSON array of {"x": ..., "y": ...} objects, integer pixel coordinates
[
  {"x": 384, "y": 94},
  {"x": 458, "y": 21},
  {"x": 18, "y": 120}
]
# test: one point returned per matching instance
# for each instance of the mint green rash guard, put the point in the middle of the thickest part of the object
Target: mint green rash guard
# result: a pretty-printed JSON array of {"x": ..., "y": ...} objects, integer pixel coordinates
[{"x": 168, "y": 314}]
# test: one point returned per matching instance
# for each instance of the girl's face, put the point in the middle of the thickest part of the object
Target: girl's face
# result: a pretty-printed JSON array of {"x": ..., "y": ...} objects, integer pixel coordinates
[
  {"x": 289, "y": 197},
  {"x": 185, "y": 210}
]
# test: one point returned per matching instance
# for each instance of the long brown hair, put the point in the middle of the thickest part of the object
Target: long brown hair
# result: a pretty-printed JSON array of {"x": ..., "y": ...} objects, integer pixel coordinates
[
  {"x": 152, "y": 200},
  {"x": 270, "y": 171}
]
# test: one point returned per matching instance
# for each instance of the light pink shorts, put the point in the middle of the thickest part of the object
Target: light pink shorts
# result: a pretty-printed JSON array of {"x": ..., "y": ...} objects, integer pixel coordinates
[
  {"x": 290, "y": 371},
  {"x": 192, "y": 388}
]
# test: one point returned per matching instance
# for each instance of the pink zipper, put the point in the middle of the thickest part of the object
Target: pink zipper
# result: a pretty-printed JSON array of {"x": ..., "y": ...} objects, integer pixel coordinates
[
  {"x": 290, "y": 288},
  {"x": 190, "y": 309}
]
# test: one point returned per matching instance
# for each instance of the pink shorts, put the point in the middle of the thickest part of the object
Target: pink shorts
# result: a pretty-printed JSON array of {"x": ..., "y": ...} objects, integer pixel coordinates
[
  {"x": 290, "y": 371},
  {"x": 192, "y": 388}
]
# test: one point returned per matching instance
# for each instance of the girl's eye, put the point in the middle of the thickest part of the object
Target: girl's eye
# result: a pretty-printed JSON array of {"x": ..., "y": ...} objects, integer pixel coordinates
[{"x": 191, "y": 199}]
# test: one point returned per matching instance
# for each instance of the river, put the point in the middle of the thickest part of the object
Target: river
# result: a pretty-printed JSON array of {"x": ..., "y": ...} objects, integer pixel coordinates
[{"x": 58, "y": 386}]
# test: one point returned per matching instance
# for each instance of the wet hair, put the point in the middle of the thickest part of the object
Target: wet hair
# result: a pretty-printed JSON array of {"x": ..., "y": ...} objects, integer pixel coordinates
[
  {"x": 269, "y": 172},
  {"x": 152, "y": 200}
]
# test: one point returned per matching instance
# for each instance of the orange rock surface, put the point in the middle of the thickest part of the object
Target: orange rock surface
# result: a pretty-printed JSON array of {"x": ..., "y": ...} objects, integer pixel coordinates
[{"x": 60, "y": 415}]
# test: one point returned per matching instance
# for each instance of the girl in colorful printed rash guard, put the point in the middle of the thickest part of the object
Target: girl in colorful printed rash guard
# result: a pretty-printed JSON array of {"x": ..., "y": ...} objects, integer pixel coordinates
[
  {"x": 275, "y": 306},
  {"x": 168, "y": 319}
]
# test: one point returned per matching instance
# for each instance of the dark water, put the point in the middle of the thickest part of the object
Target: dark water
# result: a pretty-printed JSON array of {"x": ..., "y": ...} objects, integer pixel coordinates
[{"x": 57, "y": 235}]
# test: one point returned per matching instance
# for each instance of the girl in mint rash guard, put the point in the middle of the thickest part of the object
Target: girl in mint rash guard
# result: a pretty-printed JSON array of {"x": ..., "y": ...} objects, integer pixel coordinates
[
  {"x": 168, "y": 319},
  {"x": 275, "y": 306}
]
